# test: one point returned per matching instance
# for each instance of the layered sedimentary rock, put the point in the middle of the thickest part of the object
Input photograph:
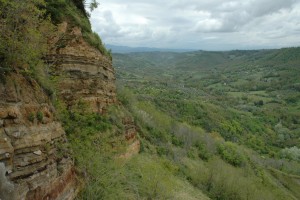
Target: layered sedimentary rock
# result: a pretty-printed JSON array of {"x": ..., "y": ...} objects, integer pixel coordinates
[
  {"x": 33, "y": 145},
  {"x": 32, "y": 142},
  {"x": 84, "y": 73}
]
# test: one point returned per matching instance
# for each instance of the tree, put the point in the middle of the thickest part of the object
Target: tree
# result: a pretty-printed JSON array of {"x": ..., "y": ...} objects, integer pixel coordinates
[
  {"x": 93, "y": 5},
  {"x": 24, "y": 32},
  {"x": 81, "y": 4},
  {"x": 292, "y": 153}
]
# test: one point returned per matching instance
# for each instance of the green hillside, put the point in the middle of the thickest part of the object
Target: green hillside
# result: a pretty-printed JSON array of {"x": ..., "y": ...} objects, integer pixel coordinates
[
  {"x": 229, "y": 121},
  {"x": 258, "y": 90}
]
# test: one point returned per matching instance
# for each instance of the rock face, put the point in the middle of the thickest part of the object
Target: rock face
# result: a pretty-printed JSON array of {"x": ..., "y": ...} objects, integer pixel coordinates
[
  {"x": 31, "y": 142},
  {"x": 133, "y": 143},
  {"x": 84, "y": 73}
]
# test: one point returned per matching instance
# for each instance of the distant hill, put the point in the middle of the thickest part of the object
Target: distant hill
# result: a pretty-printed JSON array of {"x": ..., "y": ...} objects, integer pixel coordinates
[
  {"x": 126, "y": 49},
  {"x": 227, "y": 122},
  {"x": 238, "y": 79}
]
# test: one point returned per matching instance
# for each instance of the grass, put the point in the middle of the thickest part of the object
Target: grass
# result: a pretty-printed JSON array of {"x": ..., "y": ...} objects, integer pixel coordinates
[{"x": 291, "y": 183}]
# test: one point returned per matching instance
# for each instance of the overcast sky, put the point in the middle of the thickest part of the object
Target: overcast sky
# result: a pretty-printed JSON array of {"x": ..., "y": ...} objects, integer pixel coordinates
[{"x": 199, "y": 24}]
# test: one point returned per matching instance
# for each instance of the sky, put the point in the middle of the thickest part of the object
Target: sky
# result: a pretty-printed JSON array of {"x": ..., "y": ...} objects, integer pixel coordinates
[{"x": 199, "y": 24}]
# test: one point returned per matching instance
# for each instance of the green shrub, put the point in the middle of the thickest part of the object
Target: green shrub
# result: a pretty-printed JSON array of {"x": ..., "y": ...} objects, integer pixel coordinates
[
  {"x": 292, "y": 153},
  {"x": 55, "y": 8},
  {"x": 23, "y": 49},
  {"x": 40, "y": 116},
  {"x": 230, "y": 153},
  {"x": 203, "y": 153},
  {"x": 176, "y": 141},
  {"x": 31, "y": 117},
  {"x": 259, "y": 103}
]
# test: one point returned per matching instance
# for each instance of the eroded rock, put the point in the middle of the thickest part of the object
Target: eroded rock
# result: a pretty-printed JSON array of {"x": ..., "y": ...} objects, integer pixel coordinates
[
  {"x": 88, "y": 75},
  {"x": 31, "y": 168}
]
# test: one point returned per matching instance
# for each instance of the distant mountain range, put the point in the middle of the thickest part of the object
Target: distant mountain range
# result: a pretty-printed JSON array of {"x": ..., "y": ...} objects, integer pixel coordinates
[{"x": 126, "y": 49}]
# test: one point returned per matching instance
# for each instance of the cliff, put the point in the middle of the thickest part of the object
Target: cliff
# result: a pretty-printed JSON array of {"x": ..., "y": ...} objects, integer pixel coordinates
[
  {"x": 31, "y": 142},
  {"x": 35, "y": 156},
  {"x": 84, "y": 73}
]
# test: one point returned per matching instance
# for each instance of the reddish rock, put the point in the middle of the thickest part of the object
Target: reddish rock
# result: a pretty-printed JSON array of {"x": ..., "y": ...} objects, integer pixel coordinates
[
  {"x": 32, "y": 168},
  {"x": 133, "y": 144}
]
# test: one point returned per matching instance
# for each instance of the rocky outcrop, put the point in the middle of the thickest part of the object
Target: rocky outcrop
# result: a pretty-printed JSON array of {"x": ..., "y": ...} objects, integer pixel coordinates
[
  {"x": 33, "y": 144},
  {"x": 84, "y": 73},
  {"x": 133, "y": 143},
  {"x": 32, "y": 141}
]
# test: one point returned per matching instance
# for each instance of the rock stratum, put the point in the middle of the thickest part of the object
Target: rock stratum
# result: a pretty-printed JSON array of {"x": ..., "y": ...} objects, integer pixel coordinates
[
  {"x": 34, "y": 149},
  {"x": 31, "y": 142},
  {"x": 84, "y": 73}
]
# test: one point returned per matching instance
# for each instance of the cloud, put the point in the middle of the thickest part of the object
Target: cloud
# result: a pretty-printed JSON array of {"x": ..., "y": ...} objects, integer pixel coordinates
[
  {"x": 209, "y": 25},
  {"x": 230, "y": 24}
]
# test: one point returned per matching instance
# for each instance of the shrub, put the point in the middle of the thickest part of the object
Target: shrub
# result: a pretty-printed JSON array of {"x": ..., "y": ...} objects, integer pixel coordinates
[
  {"x": 24, "y": 48},
  {"x": 176, "y": 141},
  {"x": 259, "y": 103},
  {"x": 202, "y": 151},
  {"x": 31, "y": 117},
  {"x": 292, "y": 153},
  {"x": 39, "y": 116},
  {"x": 230, "y": 153}
]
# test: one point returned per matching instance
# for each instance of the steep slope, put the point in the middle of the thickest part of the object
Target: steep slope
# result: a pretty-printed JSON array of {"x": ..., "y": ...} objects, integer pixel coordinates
[
  {"x": 31, "y": 142},
  {"x": 35, "y": 155},
  {"x": 85, "y": 74}
]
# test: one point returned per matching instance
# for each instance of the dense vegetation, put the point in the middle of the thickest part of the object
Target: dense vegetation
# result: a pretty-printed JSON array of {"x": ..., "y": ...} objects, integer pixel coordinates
[
  {"x": 200, "y": 138},
  {"x": 227, "y": 120},
  {"x": 23, "y": 36},
  {"x": 249, "y": 97}
]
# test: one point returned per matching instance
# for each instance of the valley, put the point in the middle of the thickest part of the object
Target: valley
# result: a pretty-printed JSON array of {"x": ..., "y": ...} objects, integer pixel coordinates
[
  {"x": 79, "y": 121},
  {"x": 231, "y": 116}
]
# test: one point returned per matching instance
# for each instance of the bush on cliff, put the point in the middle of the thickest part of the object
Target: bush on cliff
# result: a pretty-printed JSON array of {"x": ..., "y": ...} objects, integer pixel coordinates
[{"x": 23, "y": 36}]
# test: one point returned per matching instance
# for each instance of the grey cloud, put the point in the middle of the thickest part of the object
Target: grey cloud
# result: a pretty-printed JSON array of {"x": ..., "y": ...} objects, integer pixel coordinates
[
  {"x": 233, "y": 15},
  {"x": 109, "y": 27},
  {"x": 198, "y": 24},
  {"x": 264, "y": 7}
]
